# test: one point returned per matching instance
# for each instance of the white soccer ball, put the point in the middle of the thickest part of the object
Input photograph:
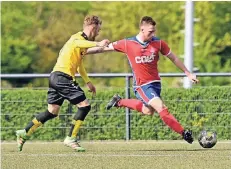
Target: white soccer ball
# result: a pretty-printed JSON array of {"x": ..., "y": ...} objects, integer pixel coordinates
[{"x": 207, "y": 139}]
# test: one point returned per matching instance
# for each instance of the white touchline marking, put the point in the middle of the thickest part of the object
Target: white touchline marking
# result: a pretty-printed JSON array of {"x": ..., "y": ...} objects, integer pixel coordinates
[
  {"x": 114, "y": 142},
  {"x": 114, "y": 155}
]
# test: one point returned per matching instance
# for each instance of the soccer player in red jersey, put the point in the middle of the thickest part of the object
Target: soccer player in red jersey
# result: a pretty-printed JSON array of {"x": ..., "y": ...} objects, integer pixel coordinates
[{"x": 142, "y": 52}]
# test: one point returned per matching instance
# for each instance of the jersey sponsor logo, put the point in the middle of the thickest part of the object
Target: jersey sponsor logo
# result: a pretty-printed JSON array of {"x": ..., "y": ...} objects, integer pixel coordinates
[{"x": 145, "y": 59}]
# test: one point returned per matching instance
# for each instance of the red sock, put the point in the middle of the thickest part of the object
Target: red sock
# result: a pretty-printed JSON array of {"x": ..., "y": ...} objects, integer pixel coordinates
[
  {"x": 170, "y": 120},
  {"x": 131, "y": 104}
]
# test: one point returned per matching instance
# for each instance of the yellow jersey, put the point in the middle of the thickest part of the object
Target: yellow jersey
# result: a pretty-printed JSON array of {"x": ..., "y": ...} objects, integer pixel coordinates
[{"x": 70, "y": 59}]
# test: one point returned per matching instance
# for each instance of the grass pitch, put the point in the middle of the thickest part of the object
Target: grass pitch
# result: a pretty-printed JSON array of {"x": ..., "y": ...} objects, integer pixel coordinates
[{"x": 117, "y": 155}]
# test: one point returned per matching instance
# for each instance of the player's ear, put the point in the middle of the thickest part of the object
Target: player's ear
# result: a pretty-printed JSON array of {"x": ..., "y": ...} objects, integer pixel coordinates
[
  {"x": 141, "y": 28},
  {"x": 92, "y": 27}
]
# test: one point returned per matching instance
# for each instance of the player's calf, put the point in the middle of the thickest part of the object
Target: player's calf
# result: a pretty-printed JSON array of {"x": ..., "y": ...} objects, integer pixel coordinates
[
  {"x": 79, "y": 117},
  {"x": 23, "y": 135},
  {"x": 78, "y": 120}
]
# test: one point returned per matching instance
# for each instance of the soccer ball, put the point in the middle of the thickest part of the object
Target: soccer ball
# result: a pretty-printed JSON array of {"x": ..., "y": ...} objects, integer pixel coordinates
[{"x": 207, "y": 139}]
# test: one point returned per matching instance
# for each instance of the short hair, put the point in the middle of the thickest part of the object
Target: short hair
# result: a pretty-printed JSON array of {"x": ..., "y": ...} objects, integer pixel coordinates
[
  {"x": 147, "y": 20},
  {"x": 91, "y": 19}
]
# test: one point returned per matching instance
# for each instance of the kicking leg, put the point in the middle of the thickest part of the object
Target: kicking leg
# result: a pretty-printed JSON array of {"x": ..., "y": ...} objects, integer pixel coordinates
[
  {"x": 169, "y": 119},
  {"x": 133, "y": 104}
]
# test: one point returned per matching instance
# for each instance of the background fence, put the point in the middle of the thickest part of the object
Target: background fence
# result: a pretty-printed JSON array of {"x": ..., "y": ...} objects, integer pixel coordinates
[{"x": 197, "y": 108}]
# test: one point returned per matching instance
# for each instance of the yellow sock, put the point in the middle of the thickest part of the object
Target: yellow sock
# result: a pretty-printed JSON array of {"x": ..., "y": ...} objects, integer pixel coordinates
[
  {"x": 34, "y": 127},
  {"x": 77, "y": 124}
]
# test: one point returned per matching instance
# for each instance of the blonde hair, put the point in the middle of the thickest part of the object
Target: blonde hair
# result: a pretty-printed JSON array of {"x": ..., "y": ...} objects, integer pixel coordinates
[{"x": 91, "y": 19}]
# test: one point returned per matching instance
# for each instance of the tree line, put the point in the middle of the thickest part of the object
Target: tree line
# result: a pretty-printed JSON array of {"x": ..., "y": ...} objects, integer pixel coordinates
[{"x": 34, "y": 32}]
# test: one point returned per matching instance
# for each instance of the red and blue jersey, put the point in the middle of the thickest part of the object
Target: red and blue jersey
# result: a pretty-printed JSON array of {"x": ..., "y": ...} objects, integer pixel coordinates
[{"x": 143, "y": 58}]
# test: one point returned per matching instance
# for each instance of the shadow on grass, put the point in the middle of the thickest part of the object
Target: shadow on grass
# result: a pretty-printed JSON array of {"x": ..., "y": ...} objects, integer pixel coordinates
[
  {"x": 175, "y": 150},
  {"x": 205, "y": 149}
]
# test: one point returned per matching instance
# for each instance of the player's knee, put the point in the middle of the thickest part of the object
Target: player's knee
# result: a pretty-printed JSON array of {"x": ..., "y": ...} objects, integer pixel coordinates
[
  {"x": 147, "y": 110},
  {"x": 53, "y": 109},
  {"x": 82, "y": 113},
  {"x": 83, "y": 103},
  {"x": 158, "y": 105},
  {"x": 150, "y": 113},
  {"x": 160, "y": 108},
  {"x": 45, "y": 116}
]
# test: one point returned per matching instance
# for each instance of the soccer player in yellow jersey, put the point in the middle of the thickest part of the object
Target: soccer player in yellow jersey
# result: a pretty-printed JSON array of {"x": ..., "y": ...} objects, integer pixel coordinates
[{"x": 62, "y": 84}]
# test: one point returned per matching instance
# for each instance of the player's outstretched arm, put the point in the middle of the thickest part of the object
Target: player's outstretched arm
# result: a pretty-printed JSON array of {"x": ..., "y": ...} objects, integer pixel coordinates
[
  {"x": 95, "y": 50},
  {"x": 180, "y": 65},
  {"x": 89, "y": 44}
]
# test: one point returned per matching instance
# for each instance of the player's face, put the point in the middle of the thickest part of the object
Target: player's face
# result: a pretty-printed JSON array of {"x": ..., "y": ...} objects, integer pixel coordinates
[
  {"x": 95, "y": 31},
  {"x": 148, "y": 32}
]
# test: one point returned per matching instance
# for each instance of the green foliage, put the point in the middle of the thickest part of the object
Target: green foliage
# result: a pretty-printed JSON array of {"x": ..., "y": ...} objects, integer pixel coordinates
[
  {"x": 213, "y": 34},
  {"x": 18, "y": 44},
  {"x": 168, "y": 15},
  {"x": 198, "y": 108},
  {"x": 34, "y": 32}
]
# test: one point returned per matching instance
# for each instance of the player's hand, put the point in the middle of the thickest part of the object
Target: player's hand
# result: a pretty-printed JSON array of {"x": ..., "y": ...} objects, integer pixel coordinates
[
  {"x": 193, "y": 78},
  {"x": 103, "y": 43},
  {"x": 91, "y": 88}
]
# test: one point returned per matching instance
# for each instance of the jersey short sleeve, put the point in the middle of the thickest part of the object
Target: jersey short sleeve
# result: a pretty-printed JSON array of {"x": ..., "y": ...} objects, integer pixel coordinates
[
  {"x": 164, "y": 48},
  {"x": 120, "y": 45}
]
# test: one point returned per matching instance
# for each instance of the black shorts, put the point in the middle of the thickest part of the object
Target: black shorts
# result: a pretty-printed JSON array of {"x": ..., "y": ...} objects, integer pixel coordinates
[{"x": 61, "y": 87}]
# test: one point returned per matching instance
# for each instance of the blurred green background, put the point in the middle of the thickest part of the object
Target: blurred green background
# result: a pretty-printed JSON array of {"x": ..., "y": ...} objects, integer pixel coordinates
[{"x": 32, "y": 34}]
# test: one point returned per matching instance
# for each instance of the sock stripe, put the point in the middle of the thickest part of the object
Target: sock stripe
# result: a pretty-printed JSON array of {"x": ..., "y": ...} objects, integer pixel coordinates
[
  {"x": 76, "y": 128},
  {"x": 34, "y": 127},
  {"x": 36, "y": 122}
]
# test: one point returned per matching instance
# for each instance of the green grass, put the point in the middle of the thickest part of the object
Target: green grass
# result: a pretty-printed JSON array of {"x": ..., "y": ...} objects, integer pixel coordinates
[{"x": 117, "y": 155}]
